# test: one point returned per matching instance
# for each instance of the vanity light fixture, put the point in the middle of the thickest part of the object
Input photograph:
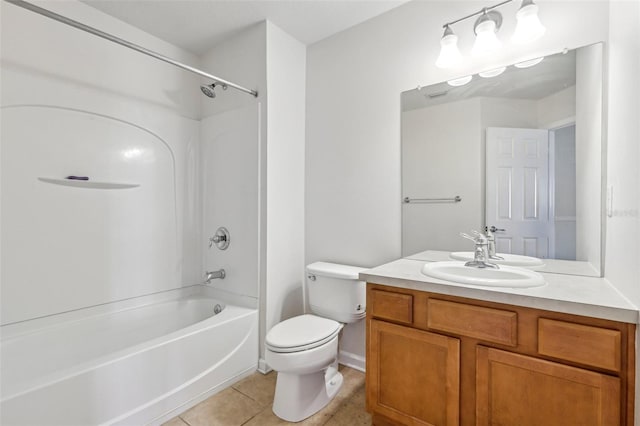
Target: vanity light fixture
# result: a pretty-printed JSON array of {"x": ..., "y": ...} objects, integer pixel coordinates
[
  {"x": 492, "y": 73},
  {"x": 460, "y": 81},
  {"x": 449, "y": 53},
  {"x": 486, "y": 27},
  {"x": 529, "y": 63},
  {"x": 529, "y": 27}
]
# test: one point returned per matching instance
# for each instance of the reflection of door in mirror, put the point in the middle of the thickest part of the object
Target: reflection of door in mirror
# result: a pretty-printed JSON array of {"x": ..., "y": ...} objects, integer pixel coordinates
[{"x": 517, "y": 179}]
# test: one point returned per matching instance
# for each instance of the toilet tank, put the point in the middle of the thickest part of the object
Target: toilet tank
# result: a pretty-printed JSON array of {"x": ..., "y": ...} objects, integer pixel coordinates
[{"x": 334, "y": 291}]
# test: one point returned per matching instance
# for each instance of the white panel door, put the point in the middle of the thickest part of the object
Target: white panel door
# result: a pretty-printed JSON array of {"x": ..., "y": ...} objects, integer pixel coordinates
[{"x": 517, "y": 190}]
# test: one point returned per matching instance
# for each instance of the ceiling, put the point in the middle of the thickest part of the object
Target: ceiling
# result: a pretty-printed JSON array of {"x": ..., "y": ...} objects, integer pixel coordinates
[{"x": 197, "y": 25}]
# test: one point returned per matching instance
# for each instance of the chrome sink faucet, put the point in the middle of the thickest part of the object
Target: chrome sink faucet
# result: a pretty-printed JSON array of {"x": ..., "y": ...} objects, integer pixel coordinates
[
  {"x": 491, "y": 248},
  {"x": 481, "y": 253}
]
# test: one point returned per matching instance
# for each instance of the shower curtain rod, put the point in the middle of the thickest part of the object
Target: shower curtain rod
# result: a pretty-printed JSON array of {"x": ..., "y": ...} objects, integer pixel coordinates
[{"x": 125, "y": 43}]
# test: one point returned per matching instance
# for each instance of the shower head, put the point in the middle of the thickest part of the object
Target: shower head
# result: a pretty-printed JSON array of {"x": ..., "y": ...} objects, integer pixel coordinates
[{"x": 208, "y": 89}]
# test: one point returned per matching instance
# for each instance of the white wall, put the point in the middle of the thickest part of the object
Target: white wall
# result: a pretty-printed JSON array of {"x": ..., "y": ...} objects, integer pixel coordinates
[
  {"x": 441, "y": 159},
  {"x": 622, "y": 250},
  {"x": 286, "y": 61},
  {"x": 622, "y": 266},
  {"x": 558, "y": 109},
  {"x": 354, "y": 80},
  {"x": 42, "y": 59}
]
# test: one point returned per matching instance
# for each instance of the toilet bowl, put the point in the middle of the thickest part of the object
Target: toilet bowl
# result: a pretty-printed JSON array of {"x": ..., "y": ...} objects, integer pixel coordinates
[
  {"x": 306, "y": 363},
  {"x": 304, "y": 349}
]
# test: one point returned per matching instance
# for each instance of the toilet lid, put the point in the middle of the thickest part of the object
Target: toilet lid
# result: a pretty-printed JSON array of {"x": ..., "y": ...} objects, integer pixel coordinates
[{"x": 301, "y": 333}]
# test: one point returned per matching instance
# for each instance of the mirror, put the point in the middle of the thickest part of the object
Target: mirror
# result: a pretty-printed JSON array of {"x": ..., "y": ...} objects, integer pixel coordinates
[{"x": 520, "y": 151}]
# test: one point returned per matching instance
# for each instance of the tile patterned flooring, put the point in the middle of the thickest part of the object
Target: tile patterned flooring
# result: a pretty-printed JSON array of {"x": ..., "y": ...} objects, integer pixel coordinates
[{"x": 248, "y": 402}]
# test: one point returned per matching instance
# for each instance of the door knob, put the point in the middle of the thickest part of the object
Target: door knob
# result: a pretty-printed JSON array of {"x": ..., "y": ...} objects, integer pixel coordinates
[{"x": 494, "y": 229}]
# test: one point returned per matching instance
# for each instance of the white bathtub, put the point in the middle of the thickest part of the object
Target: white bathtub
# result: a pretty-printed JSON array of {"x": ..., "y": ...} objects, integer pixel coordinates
[{"x": 134, "y": 363}]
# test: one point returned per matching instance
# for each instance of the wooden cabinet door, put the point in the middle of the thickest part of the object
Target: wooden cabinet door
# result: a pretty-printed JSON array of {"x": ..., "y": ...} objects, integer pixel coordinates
[
  {"x": 414, "y": 375},
  {"x": 513, "y": 389}
]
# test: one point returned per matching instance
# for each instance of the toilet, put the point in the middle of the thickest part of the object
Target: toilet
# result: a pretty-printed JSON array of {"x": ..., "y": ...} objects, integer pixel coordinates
[{"x": 303, "y": 350}]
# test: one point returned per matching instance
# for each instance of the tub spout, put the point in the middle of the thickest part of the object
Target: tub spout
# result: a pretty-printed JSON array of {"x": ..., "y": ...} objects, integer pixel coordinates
[{"x": 214, "y": 275}]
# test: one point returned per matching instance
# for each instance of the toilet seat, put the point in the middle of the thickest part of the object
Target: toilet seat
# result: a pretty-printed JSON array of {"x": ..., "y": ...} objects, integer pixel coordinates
[{"x": 301, "y": 333}]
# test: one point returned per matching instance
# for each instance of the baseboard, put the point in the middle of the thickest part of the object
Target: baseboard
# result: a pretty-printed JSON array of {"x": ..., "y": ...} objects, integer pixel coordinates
[
  {"x": 263, "y": 367},
  {"x": 352, "y": 360}
]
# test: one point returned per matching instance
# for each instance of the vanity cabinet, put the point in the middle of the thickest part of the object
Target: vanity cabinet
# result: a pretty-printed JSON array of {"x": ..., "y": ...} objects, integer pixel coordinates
[
  {"x": 409, "y": 367},
  {"x": 438, "y": 360}
]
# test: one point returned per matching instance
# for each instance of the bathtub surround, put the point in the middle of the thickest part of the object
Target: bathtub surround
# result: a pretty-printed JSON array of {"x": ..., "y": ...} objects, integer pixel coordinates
[
  {"x": 71, "y": 255},
  {"x": 80, "y": 245},
  {"x": 104, "y": 89},
  {"x": 190, "y": 157},
  {"x": 229, "y": 139},
  {"x": 144, "y": 114}
]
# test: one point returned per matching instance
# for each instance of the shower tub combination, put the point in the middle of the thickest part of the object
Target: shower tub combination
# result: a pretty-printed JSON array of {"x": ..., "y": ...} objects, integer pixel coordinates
[
  {"x": 137, "y": 361},
  {"x": 140, "y": 361}
]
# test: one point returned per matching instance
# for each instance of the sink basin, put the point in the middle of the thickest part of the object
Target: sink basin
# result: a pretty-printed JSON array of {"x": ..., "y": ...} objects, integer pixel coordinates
[
  {"x": 506, "y": 276},
  {"x": 509, "y": 259}
]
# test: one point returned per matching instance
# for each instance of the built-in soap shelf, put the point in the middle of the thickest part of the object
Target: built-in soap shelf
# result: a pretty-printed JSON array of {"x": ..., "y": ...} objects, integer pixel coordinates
[{"x": 87, "y": 183}]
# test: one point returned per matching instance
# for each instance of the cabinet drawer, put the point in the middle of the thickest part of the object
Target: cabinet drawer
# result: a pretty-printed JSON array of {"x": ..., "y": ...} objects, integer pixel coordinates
[
  {"x": 584, "y": 344},
  {"x": 491, "y": 325},
  {"x": 391, "y": 306}
]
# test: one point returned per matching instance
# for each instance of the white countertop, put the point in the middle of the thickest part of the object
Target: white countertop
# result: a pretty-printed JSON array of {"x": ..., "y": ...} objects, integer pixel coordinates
[{"x": 579, "y": 295}]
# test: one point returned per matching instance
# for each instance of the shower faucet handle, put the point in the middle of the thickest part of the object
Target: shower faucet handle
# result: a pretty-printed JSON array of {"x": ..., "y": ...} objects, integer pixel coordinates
[
  {"x": 221, "y": 239},
  {"x": 216, "y": 239}
]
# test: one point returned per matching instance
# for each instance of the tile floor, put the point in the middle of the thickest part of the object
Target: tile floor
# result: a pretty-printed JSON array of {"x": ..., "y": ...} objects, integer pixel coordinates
[{"x": 248, "y": 402}]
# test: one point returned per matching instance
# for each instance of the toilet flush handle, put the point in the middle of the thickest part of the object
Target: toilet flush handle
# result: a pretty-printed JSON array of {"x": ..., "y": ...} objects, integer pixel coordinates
[{"x": 311, "y": 277}]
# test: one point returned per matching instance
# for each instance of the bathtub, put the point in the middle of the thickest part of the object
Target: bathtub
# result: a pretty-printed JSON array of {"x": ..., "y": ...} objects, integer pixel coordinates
[{"x": 135, "y": 362}]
